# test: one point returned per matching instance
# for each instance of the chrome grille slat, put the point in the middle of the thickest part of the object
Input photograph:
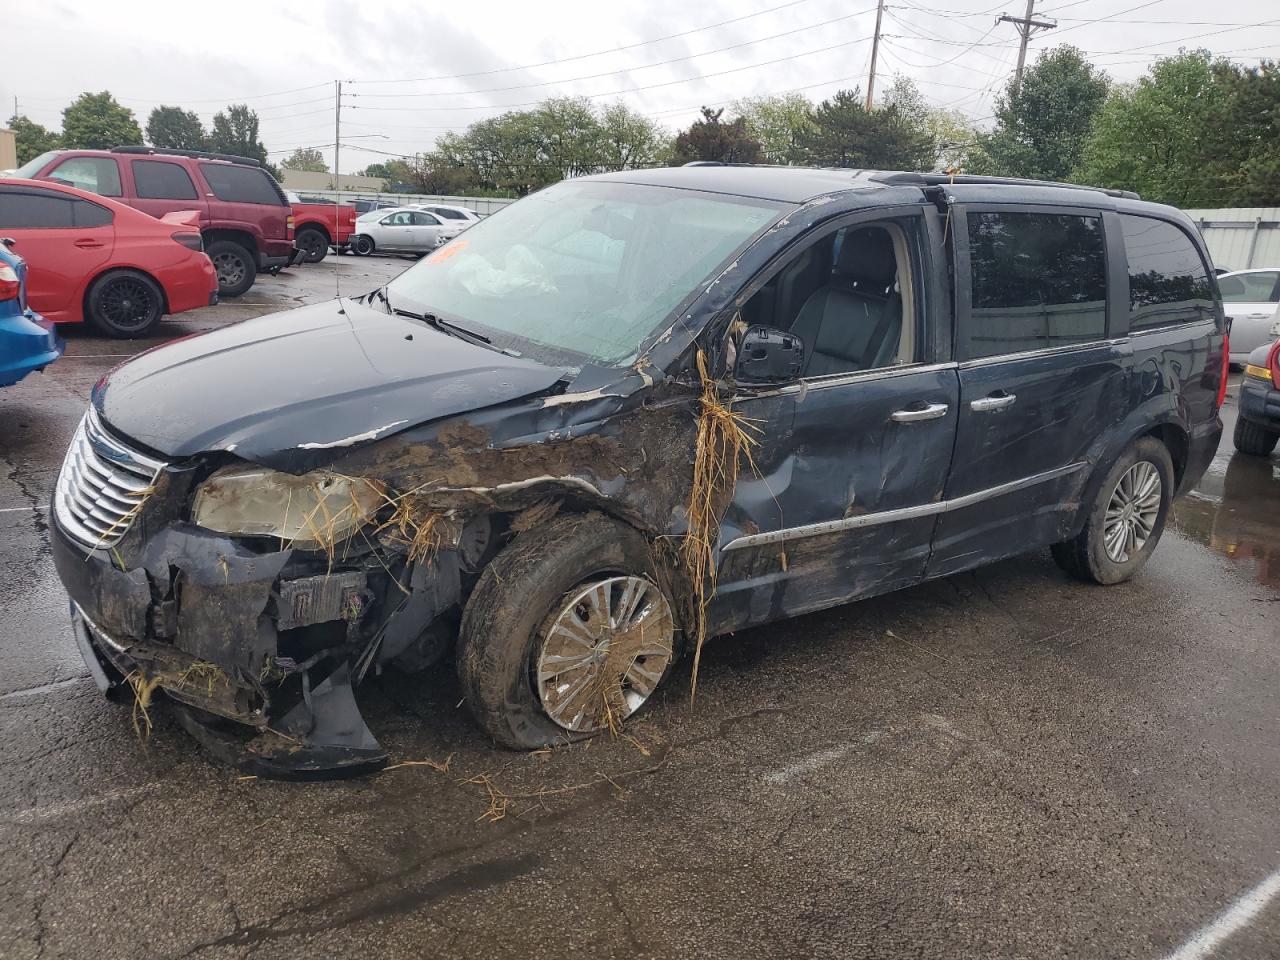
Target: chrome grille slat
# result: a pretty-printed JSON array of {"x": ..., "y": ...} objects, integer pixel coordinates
[{"x": 102, "y": 485}]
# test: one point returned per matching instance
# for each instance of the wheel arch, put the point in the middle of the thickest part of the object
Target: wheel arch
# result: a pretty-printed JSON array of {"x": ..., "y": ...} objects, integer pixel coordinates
[
  {"x": 315, "y": 225},
  {"x": 121, "y": 268},
  {"x": 242, "y": 237}
]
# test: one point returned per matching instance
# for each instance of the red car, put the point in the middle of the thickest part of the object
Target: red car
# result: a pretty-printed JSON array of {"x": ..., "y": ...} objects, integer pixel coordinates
[
  {"x": 319, "y": 226},
  {"x": 93, "y": 259}
]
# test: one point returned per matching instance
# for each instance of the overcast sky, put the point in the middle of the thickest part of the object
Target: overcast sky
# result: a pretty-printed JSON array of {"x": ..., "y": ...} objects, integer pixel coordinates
[{"x": 412, "y": 70}]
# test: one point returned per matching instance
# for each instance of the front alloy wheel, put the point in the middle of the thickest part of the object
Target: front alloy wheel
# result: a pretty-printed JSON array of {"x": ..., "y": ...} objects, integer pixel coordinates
[
  {"x": 604, "y": 653},
  {"x": 1132, "y": 511}
]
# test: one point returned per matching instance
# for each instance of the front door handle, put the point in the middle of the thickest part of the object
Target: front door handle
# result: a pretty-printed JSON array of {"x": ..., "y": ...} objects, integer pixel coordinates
[
  {"x": 1260, "y": 316},
  {"x": 88, "y": 244},
  {"x": 930, "y": 411},
  {"x": 994, "y": 402}
]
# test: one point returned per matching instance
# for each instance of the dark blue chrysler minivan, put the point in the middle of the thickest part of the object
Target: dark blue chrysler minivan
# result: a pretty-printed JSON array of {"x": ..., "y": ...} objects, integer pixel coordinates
[{"x": 627, "y": 413}]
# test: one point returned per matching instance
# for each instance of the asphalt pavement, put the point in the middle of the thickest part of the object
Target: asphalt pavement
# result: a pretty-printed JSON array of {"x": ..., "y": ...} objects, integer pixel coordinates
[{"x": 1005, "y": 763}]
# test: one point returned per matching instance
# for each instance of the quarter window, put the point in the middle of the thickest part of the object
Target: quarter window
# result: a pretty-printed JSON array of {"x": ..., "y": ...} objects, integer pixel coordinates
[
  {"x": 99, "y": 175},
  {"x": 237, "y": 183},
  {"x": 1168, "y": 282},
  {"x": 1037, "y": 280},
  {"x": 159, "y": 180}
]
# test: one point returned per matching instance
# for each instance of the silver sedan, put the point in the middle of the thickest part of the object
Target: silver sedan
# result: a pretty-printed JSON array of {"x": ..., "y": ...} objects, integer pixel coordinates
[{"x": 401, "y": 230}]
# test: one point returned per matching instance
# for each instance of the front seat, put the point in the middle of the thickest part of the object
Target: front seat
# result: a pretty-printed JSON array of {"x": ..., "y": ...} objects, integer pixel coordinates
[{"x": 854, "y": 322}]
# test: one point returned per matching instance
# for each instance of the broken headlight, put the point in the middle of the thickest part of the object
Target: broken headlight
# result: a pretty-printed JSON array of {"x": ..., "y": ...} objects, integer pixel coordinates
[{"x": 310, "y": 512}]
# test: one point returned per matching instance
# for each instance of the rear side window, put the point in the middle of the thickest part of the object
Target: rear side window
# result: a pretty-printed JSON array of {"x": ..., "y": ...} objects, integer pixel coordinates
[
  {"x": 1258, "y": 287},
  {"x": 447, "y": 213},
  {"x": 159, "y": 180},
  {"x": 1036, "y": 281},
  {"x": 425, "y": 220},
  {"x": 1168, "y": 282},
  {"x": 98, "y": 175},
  {"x": 240, "y": 184},
  {"x": 38, "y": 210}
]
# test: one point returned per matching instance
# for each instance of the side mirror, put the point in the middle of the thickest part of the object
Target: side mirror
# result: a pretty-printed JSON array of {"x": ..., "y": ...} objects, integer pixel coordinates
[{"x": 768, "y": 355}]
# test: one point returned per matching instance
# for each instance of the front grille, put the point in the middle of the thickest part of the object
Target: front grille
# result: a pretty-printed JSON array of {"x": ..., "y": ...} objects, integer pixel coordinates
[{"x": 102, "y": 486}]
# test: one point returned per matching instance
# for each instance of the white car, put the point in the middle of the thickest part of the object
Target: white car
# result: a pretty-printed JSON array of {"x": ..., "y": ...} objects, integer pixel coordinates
[
  {"x": 1250, "y": 298},
  {"x": 446, "y": 212},
  {"x": 401, "y": 230}
]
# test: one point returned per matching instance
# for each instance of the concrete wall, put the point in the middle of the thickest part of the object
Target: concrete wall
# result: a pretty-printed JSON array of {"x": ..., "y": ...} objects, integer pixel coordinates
[
  {"x": 306, "y": 181},
  {"x": 1241, "y": 237},
  {"x": 8, "y": 150}
]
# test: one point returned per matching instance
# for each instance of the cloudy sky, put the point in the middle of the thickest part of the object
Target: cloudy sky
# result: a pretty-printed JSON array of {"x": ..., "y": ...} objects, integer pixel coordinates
[{"x": 413, "y": 70}]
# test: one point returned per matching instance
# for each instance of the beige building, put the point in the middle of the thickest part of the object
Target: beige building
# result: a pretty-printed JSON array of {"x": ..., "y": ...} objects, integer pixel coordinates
[
  {"x": 304, "y": 181},
  {"x": 8, "y": 150}
]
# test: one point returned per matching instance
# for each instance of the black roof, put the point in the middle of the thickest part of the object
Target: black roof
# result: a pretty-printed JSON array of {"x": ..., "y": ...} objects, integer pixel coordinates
[{"x": 798, "y": 184}]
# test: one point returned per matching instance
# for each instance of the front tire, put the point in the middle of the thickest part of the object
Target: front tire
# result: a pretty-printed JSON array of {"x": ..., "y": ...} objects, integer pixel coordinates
[
  {"x": 1255, "y": 440},
  {"x": 125, "y": 304},
  {"x": 313, "y": 243},
  {"x": 1126, "y": 519},
  {"x": 362, "y": 246},
  {"x": 235, "y": 266},
  {"x": 566, "y": 634}
]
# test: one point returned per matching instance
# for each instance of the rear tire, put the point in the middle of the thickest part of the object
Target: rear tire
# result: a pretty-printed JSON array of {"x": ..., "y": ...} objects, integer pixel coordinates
[
  {"x": 362, "y": 246},
  {"x": 125, "y": 304},
  {"x": 235, "y": 265},
  {"x": 1096, "y": 554},
  {"x": 517, "y": 611},
  {"x": 313, "y": 242},
  {"x": 1255, "y": 440}
]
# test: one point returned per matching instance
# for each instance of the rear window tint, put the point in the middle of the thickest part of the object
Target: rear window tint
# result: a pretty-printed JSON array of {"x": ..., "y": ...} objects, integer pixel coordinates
[
  {"x": 1168, "y": 282},
  {"x": 235, "y": 183},
  {"x": 47, "y": 210},
  {"x": 1037, "y": 280},
  {"x": 160, "y": 180}
]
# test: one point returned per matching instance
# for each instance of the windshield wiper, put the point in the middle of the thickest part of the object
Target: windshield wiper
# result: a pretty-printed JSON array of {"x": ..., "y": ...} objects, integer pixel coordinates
[{"x": 444, "y": 326}]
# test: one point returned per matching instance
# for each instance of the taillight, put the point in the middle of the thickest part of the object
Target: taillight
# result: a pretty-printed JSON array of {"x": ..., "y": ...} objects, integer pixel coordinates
[
  {"x": 8, "y": 283},
  {"x": 191, "y": 241},
  {"x": 1226, "y": 368},
  {"x": 288, "y": 225}
]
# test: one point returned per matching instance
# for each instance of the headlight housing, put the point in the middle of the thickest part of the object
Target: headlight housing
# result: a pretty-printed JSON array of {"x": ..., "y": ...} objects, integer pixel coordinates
[{"x": 311, "y": 512}]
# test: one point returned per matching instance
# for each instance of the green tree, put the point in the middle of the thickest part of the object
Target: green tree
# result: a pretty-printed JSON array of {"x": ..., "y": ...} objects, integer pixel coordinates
[
  {"x": 32, "y": 139},
  {"x": 1246, "y": 130},
  {"x": 1043, "y": 125},
  {"x": 711, "y": 139},
  {"x": 1155, "y": 135},
  {"x": 956, "y": 139},
  {"x": 628, "y": 139},
  {"x": 235, "y": 131},
  {"x": 779, "y": 122},
  {"x": 306, "y": 158},
  {"x": 95, "y": 121},
  {"x": 846, "y": 134},
  {"x": 173, "y": 128}
]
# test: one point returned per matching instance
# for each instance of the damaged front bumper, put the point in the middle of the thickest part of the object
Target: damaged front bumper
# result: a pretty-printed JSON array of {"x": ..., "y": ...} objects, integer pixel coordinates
[{"x": 197, "y": 618}]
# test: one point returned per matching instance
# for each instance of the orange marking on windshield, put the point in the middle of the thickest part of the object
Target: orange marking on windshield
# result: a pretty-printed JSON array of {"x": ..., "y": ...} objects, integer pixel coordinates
[{"x": 448, "y": 250}]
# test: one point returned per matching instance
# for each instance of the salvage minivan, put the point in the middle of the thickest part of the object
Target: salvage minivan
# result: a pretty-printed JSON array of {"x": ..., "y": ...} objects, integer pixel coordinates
[{"x": 621, "y": 415}]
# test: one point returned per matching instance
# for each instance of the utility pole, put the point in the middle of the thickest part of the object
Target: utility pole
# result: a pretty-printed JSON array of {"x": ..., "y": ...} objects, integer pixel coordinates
[
  {"x": 337, "y": 182},
  {"x": 1025, "y": 27},
  {"x": 875, "y": 49}
]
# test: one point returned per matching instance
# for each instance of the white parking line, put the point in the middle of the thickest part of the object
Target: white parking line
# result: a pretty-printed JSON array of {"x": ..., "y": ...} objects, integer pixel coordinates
[
  {"x": 1236, "y": 916},
  {"x": 38, "y": 506},
  {"x": 820, "y": 759}
]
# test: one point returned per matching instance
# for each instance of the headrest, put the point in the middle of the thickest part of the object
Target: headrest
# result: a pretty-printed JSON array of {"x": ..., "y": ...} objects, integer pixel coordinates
[{"x": 866, "y": 255}]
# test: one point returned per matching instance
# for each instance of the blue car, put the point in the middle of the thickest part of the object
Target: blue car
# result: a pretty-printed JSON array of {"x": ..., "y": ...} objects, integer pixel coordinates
[{"x": 27, "y": 340}]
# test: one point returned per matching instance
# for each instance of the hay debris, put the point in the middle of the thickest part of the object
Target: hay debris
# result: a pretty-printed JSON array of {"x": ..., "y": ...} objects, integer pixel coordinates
[
  {"x": 433, "y": 764},
  {"x": 723, "y": 442},
  {"x": 202, "y": 672},
  {"x": 499, "y": 802},
  {"x": 143, "y": 689}
]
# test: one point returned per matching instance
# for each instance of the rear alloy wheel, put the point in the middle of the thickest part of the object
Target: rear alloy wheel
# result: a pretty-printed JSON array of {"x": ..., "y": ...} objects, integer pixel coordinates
[
  {"x": 235, "y": 266},
  {"x": 1126, "y": 518},
  {"x": 313, "y": 243},
  {"x": 125, "y": 304},
  {"x": 1253, "y": 439},
  {"x": 362, "y": 246}
]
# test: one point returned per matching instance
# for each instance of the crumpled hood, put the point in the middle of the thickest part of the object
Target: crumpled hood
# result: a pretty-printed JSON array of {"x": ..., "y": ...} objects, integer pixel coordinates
[{"x": 293, "y": 390}]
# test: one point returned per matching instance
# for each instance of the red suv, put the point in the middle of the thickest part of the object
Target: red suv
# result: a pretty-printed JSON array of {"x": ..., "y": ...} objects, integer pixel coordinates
[{"x": 245, "y": 219}]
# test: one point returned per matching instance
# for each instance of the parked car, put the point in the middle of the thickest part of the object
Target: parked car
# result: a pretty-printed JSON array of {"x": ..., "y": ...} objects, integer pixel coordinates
[
  {"x": 27, "y": 340},
  {"x": 402, "y": 230},
  {"x": 98, "y": 260},
  {"x": 245, "y": 220},
  {"x": 463, "y": 215},
  {"x": 526, "y": 443},
  {"x": 1258, "y": 420},
  {"x": 1250, "y": 298},
  {"x": 317, "y": 226},
  {"x": 364, "y": 204}
]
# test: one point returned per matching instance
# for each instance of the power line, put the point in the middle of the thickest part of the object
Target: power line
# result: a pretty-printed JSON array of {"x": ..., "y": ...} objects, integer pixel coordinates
[
  {"x": 1109, "y": 16},
  {"x": 596, "y": 53},
  {"x": 610, "y": 73}
]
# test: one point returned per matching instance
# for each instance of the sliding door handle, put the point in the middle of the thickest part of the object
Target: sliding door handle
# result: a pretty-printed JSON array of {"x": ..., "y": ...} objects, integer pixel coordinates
[
  {"x": 929, "y": 411},
  {"x": 994, "y": 402}
]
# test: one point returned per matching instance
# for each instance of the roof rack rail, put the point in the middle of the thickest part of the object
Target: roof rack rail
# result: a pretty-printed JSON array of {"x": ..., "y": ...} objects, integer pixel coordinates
[
  {"x": 943, "y": 179},
  {"x": 194, "y": 154}
]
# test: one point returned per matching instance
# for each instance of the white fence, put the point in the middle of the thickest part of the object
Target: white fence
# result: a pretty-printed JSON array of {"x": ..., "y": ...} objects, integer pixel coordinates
[
  {"x": 1241, "y": 237},
  {"x": 481, "y": 205}
]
